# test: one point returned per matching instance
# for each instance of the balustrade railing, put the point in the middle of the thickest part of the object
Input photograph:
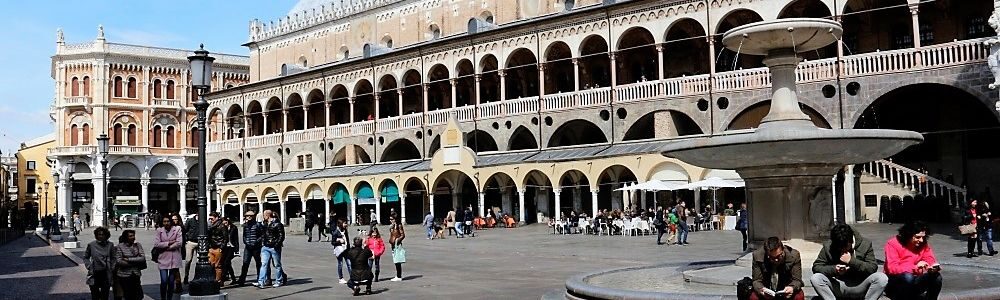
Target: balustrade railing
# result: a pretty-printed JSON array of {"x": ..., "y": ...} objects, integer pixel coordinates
[
  {"x": 219, "y": 146},
  {"x": 558, "y": 101},
  {"x": 363, "y": 127},
  {"x": 916, "y": 181},
  {"x": 192, "y": 151},
  {"x": 743, "y": 79},
  {"x": 902, "y": 60},
  {"x": 264, "y": 140},
  {"x": 314, "y": 134},
  {"x": 492, "y": 109},
  {"x": 638, "y": 91},
  {"x": 339, "y": 130},
  {"x": 166, "y": 102},
  {"x": 73, "y": 150},
  {"x": 399, "y": 122},
  {"x": 128, "y": 149},
  {"x": 76, "y": 100},
  {"x": 520, "y": 106},
  {"x": 687, "y": 85},
  {"x": 816, "y": 70}
]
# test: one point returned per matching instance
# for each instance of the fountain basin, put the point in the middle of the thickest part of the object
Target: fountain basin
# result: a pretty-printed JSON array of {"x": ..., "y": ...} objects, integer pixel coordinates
[{"x": 801, "y": 34}]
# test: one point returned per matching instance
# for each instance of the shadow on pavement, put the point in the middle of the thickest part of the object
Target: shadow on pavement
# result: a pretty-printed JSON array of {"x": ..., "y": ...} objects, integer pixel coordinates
[{"x": 299, "y": 292}]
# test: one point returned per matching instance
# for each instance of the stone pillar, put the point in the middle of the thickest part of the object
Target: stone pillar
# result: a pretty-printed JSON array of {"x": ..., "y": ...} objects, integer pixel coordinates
[
  {"x": 64, "y": 198},
  {"x": 424, "y": 98},
  {"x": 915, "y": 17},
  {"x": 558, "y": 213},
  {"x": 402, "y": 208},
  {"x": 326, "y": 209},
  {"x": 353, "y": 218},
  {"x": 378, "y": 210},
  {"x": 145, "y": 194},
  {"x": 97, "y": 207},
  {"x": 264, "y": 114},
  {"x": 482, "y": 203},
  {"x": 400, "y": 93},
  {"x": 576, "y": 74},
  {"x": 284, "y": 212},
  {"x": 377, "y": 97},
  {"x": 478, "y": 100},
  {"x": 503, "y": 84},
  {"x": 659, "y": 56},
  {"x": 431, "y": 197},
  {"x": 243, "y": 210},
  {"x": 711, "y": 55},
  {"x": 642, "y": 198},
  {"x": 454, "y": 92},
  {"x": 614, "y": 70},
  {"x": 326, "y": 106},
  {"x": 800, "y": 193},
  {"x": 593, "y": 203},
  {"x": 284, "y": 121},
  {"x": 505, "y": 202},
  {"x": 541, "y": 79},
  {"x": 350, "y": 101},
  {"x": 260, "y": 209},
  {"x": 305, "y": 116},
  {"x": 183, "y": 197},
  {"x": 697, "y": 199},
  {"x": 850, "y": 196},
  {"x": 520, "y": 207}
]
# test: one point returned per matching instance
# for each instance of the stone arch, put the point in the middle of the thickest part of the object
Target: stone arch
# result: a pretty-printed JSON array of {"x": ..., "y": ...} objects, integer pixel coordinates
[
  {"x": 389, "y": 193},
  {"x": 287, "y": 191},
  {"x": 360, "y": 156},
  {"x": 594, "y": 62},
  {"x": 500, "y": 191},
  {"x": 412, "y": 92},
  {"x": 610, "y": 179},
  {"x": 860, "y": 19},
  {"x": 274, "y": 116},
  {"x": 577, "y": 132},
  {"x": 388, "y": 101},
  {"x": 668, "y": 171},
  {"x": 539, "y": 189},
  {"x": 340, "y": 106},
  {"x": 124, "y": 170},
  {"x": 637, "y": 58},
  {"x": 296, "y": 114},
  {"x": 752, "y": 116},
  {"x": 400, "y": 149},
  {"x": 522, "y": 139},
  {"x": 685, "y": 38},
  {"x": 559, "y": 68},
  {"x": 575, "y": 192},
  {"x": 438, "y": 88},
  {"x": 340, "y": 197},
  {"x": 465, "y": 83},
  {"x": 255, "y": 116},
  {"x": 315, "y": 103},
  {"x": 416, "y": 200},
  {"x": 489, "y": 84},
  {"x": 521, "y": 74},
  {"x": 480, "y": 141},
  {"x": 662, "y": 124},
  {"x": 726, "y": 57},
  {"x": 454, "y": 189},
  {"x": 165, "y": 171},
  {"x": 364, "y": 101}
]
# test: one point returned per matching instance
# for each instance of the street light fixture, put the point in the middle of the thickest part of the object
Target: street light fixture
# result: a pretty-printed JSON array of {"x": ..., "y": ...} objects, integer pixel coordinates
[
  {"x": 102, "y": 147},
  {"x": 204, "y": 283}
]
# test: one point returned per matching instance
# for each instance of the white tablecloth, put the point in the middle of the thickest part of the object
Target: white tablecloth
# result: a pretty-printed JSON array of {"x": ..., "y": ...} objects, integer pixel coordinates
[{"x": 730, "y": 223}]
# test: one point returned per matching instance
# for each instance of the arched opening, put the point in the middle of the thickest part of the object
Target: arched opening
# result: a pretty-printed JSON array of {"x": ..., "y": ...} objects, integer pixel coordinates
[
  {"x": 124, "y": 183},
  {"x": 959, "y": 131},
  {"x": 416, "y": 201},
  {"x": 636, "y": 57},
  {"x": 943, "y": 21},
  {"x": 871, "y": 26},
  {"x": 480, "y": 141},
  {"x": 74, "y": 86},
  {"x": 438, "y": 89},
  {"x": 163, "y": 184},
  {"x": 612, "y": 178},
  {"x": 341, "y": 198},
  {"x": 559, "y": 69},
  {"x": 667, "y": 172},
  {"x": 234, "y": 122},
  {"x": 391, "y": 205},
  {"x": 274, "y": 116},
  {"x": 293, "y": 204},
  {"x": 521, "y": 74},
  {"x": 434, "y": 146},
  {"x": 255, "y": 114},
  {"x": 155, "y": 136},
  {"x": 132, "y": 138},
  {"x": 132, "y": 88},
  {"x": 316, "y": 110},
  {"x": 489, "y": 82},
  {"x": 413, "y": 94},
  {"x": 454, "y": 191},
  {"x": 685, "y": 52},
  {"x": 577, "y": 132},
  {"x": 501, "y": 198},
  {"x": 522, "y": 139},
  {"x": 86, "y": 86},
  {"x": 214, "y": 124},
  {"x": 401, "y": 149},
  {"x": 350, "y": 155},
  {"x": 170, "y": 142},
  {"x": 539, "y": 198},
  {"x": 575, "y": 196},
  {"x": 465, "y": 89},
  {"x": 340, "y": 106},
  {"x": 295, "y": 112},
  {"x": 365, "y": 195},
  {"x": 74, "y": 138},
  {"x": 662, "y": 124},
  {"x": 170, "y": 89},
  {"x": 364, "y": 101},
  {"x": 594, "y": 62},
  {"x": 388, "y": 101},
  {"x": 752, "y": 116},
  {"x": 728, "y": 60},
  {"x": 157, "y": 89},
  {"x": 86, "y": 135},
  {"x": 316, "y": 203},
  {"x": 116, "y": 136},
  {"x": 810, "y": 9},
  {"x": 117, "y": 85}
]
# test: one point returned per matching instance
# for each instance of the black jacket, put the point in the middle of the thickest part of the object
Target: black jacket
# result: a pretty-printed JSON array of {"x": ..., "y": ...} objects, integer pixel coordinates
[
  {"x": 253, "y": 234},
  {"x": 360, "y": 271},
  {"x": 218, "y": 236},
  {"x": 234, "y": 238},
  {"x": 274, "y": 234},
  {"x": 191, "y": 231},
  {"x": 862, "y": 262}
]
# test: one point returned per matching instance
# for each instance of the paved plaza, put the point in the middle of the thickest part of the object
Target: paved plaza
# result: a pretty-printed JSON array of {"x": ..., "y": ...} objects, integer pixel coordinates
[{"x": 522, "y": 263}]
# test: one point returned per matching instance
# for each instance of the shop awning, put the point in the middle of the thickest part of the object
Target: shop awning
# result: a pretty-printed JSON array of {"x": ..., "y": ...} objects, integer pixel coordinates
[
  {"x": 365, "y": 194},
  {"x": 340, "y": 195},
  {"x": 389, "y": 192}
]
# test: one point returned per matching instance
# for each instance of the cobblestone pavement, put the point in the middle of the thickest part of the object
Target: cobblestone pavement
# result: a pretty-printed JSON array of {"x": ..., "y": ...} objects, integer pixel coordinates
[
  {"x": 30, "y": 269},
  {"x": 521, "y": 263}
]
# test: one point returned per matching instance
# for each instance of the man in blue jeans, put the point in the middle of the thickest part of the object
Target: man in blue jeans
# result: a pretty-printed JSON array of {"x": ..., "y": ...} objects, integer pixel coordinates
[
  {"x": 429, "y": 224},
  {"x": 682, "y": 225},
  {"x": 274, "y": 237}
]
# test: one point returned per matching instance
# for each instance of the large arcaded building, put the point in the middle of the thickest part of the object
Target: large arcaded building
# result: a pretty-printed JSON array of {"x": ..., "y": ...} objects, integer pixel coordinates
[{"x": 141, "y": 98}]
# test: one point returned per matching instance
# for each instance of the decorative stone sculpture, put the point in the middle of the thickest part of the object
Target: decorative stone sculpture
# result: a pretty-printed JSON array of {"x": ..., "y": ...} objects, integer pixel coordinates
[
  {"x": 59, "y": 36},
  {"x": 994, "y": 44},
  {"x": 100, "y": 32}
]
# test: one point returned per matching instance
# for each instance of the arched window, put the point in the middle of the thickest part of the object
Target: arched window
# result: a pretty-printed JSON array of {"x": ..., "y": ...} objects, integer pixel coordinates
[
  {"x": 74, "y": 87},
  {"x": 155, "y": 136},
  {"x": 131, "y": 87},
  {"x": 86, "y": 85},
  {"x": 73, "y": 131},
  {"x": 118, "y": 86},
  {"x": 131, "y": 135},
  {"x": 170, "y": 89},
  {"x": 86, "y": 134},
  {"x": 170, "y": 137},
  {"x": 194, "y": 137},
  {"x": 116, "y": 137},
  {"x": 157, "y": 89}
]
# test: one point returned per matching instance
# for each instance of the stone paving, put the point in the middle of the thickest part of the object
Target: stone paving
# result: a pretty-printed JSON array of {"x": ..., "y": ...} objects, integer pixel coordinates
[
  {"x": 521, "y": 263},
  {"x": 30, "y": 269}
]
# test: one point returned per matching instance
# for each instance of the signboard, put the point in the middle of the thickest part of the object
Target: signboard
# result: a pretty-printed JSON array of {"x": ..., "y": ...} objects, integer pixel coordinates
[{"x": 127, "y": 200}]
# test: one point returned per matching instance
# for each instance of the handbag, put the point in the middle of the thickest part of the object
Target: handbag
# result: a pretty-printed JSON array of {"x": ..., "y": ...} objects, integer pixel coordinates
[
  {"x": 155, "y": 254},
  {"x": 967, "y": 229},
  {"x": 399, "y": 255}
]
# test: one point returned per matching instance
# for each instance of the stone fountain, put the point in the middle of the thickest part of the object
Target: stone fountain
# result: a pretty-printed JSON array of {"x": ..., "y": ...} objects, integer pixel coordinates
[{"x": 787, "y": 162}]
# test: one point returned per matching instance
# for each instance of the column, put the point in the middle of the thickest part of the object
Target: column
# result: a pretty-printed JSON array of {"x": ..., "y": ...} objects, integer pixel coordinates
[
  {"x": 305, "y": 116},
  {"x": 558, "y": 213},
  {"x": 697, "y": 199},
  {"x": 402, "y": 209},
  {"x": 850, "y": 196},
  {"x": 454, "y": 92},
  {"x": 326, "y": 209},
  {"x": 593, "y": 202},
  {"x": 711, "y": 55},
  {"x": 246, "y": 128},
  {"x": 915, "y": 16},
  {"x": 183, "y": 196},
  {"x": 478, "y": 78},
  {"x": 614, "y": 70},
  {"x": 350, "y": 101},
  {"x": 642, "y": 199},
  {"x": 424, "y": 99},
  {"x": 376, "y": 96},
  {"x": 354, "y": 210},
  {"x": 541, "y": 79},
  {"x": 576, "y": 74},
  {"x": 260, "y": 209},
  {"x": 97, "y": 208},
  {"x": 503, "y": 84},
  {"x": 833, "y": 190},
  {"x": 145, "y": 194},
  {"x": 326, "y": 106},
  {"x": 400, "y": 93},
  {"x": 659, "y": 56},
  {"x": 284, "y": 212},
  {"x": 63, "y": 196},
  {"x": 243, "y": 210},
  {"x": 265, "y": 127},
  {"x": 378, "y": 210},
  {"x": 284, "y": 121},
  {"x": 482, "y": 203},
  {"x": 431, "y": 197},
  {"x": 577, "y": 199},
  {"x": 520, "y": 207}
]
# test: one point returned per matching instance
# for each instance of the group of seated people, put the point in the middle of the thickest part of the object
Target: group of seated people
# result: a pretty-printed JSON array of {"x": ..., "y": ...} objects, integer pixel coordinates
[
  {"x": 846, "y": 267},
  {"x": 606, "y": 222}
]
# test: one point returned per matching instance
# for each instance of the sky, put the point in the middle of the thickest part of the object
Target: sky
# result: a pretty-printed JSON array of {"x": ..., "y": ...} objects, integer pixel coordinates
[{"x": 28, "y": 31}]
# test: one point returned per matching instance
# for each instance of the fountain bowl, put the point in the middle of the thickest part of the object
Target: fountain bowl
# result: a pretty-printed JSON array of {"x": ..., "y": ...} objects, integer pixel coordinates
[{"x": 801, "y": 34}]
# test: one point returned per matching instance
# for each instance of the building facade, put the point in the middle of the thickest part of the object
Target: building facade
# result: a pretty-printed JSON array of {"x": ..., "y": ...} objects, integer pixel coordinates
[
  {"x": 8, "y": 190},
  {"x": 543, "y": 107},
  {"x": 141, "y": 98},
  {"x": 36, "y": 188}
]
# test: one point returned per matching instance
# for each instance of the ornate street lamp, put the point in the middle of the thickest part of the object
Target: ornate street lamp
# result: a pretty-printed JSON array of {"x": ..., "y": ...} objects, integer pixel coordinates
[
  {"x": 201, "y": 81},
  {"x": 102, "y": 147}
]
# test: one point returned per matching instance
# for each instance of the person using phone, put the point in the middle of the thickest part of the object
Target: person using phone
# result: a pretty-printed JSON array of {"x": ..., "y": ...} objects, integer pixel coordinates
[
  {"x": 846, "y": 267},
  {"x": 777, "y": 260},
  {"x": 913, "y": 270}
]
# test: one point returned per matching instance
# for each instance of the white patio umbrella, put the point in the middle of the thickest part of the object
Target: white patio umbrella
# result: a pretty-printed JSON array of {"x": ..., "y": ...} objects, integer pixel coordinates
[
  {"x": 713, "y": 183},
  {"x": 653, "y": 185}
]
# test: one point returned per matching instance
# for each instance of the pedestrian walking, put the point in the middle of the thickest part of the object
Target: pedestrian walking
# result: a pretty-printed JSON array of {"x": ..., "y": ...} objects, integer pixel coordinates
[
  {"x": 130, "y": 261},
  {"x": 274, "y": 237},
  {"x": 469, "y": 216},
  {"x": 984, "y": 228},
  {"x": 361, "y": 273},
  {"x": 429, "y": 224},
  {"x": 229, "y": 251},
  {"x": 86, "y": 219},
  {"x": 190, "y": 245},
  {"x": 661, "y": 226},
  {"x": 99, "y": 260},
  {"x": 377, "y": 246},
  {"x": 339, "y": 238},
  {"x": 177, "y": 222},
  {"x": 743, "y": 223},
  {"x": 372, "y": 220},
  {"x": 118, "y": 224},
  {"x": 970, "y": 218},
  {"x": 218, "y": 237},
  {"x": 449, "y": 221},
  {"x": 682, "y": 225},
  {"x": 166, "y": 253},
  {"x": 321, "y": 228},
  {"x": 62, "y": 222},
  {"x": 253, "y": 236},
  {"x": 310, "y": 223},
  {"x": 396, "y": 236}
]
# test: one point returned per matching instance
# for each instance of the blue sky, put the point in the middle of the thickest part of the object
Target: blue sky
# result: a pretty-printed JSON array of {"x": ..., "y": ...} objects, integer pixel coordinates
[{"x": 29, "y": 32}]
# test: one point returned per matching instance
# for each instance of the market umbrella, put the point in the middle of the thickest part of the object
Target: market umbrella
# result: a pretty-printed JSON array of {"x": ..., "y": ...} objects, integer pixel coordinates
[{"x": 713, "y": 183}]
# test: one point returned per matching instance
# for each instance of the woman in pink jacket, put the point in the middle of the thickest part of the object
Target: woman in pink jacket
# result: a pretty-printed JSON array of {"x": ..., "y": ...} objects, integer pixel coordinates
[
  {"x": 167, "y": 254},
  {"x": 377, "y": 246},
  {"x": 910, "y": 263}
]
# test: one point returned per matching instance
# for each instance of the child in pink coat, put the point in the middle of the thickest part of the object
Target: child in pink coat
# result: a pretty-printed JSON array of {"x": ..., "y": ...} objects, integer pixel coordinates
[{"x": 377, "y": 246}]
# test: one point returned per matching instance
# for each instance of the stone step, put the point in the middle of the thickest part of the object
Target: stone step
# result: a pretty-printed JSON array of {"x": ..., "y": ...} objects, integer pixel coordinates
[{"x": 729, "y": 275}]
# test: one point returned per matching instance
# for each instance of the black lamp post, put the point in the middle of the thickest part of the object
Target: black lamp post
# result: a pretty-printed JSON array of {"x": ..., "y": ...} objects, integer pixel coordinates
[
  {"x": 201, "y": 81},
  {"x": 102, "y": 145}
]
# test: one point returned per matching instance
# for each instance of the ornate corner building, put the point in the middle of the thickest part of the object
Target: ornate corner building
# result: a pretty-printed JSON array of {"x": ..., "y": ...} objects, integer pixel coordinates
[{"x": 140, "y": 97}]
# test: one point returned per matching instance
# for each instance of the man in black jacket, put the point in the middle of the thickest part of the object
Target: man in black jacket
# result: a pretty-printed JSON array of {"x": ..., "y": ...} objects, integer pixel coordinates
[
  {"x": 190, "y": 245},
  {"x": 846, "y": 267},
  {"x": 310, "y": 223},
  {"x": 274, "y": 238},
  {"x": 253, "y": 235},
  {"x": 218, "y": 237}
]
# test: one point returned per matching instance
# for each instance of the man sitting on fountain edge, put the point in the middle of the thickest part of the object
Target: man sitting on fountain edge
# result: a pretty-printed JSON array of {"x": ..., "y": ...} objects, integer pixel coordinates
[
  {"x": 777, "y": 272},
  {"x": 846, "y": 267}
]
